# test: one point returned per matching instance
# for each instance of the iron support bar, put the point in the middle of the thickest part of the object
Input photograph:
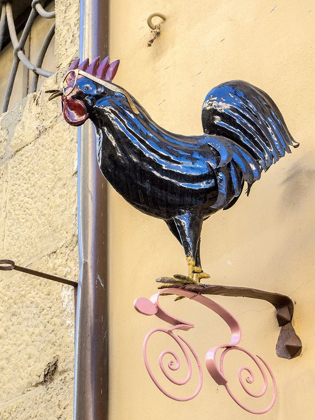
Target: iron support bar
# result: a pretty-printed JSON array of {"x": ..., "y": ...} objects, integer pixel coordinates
[{"x": 91, "y": 342}]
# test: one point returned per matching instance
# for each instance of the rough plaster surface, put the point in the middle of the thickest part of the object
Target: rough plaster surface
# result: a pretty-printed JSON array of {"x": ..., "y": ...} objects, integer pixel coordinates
[
  {"x": 67, "y": 31},
  {"x": 38, "y": 229}
]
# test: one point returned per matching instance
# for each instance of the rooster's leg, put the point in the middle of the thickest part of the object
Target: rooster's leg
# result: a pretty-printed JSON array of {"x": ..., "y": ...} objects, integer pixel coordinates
[
  {"x": 187, "y": 229},
  {"x": 195, "y": 271}
]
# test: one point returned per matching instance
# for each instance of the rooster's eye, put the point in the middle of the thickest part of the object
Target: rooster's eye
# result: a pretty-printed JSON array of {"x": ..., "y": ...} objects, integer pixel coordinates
[{"x": 85, "y": 88}]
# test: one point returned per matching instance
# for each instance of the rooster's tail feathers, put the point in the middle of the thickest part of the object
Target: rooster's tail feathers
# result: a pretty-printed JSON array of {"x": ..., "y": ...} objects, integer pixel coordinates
[
  {"x": 246, "y": 115},
  {"x": 250, "y": 126}
]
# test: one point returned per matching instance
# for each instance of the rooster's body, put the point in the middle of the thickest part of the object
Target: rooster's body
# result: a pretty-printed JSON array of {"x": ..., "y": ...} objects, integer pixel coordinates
[{"x": 183, "y": 179}]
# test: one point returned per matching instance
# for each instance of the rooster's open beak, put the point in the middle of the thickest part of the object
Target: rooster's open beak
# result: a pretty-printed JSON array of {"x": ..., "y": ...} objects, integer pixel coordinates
[{"x": 54, "y": 94}]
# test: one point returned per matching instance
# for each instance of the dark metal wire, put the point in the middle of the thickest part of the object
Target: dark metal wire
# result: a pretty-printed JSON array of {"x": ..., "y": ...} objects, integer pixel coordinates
[
  {"x": 41, "y": 11},
  {"x": 8, "y": 265},
  {"x": 18, "y": 45}
]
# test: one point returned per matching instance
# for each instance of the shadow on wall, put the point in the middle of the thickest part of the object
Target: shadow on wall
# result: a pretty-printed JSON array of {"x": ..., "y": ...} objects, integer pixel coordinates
[{"x": 299, "y": 185}]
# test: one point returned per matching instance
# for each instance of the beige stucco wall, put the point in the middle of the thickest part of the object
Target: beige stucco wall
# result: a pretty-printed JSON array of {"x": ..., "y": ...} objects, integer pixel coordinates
[
  {"x": 38, "y": 229},
  {"x": 265, "y": 241}
]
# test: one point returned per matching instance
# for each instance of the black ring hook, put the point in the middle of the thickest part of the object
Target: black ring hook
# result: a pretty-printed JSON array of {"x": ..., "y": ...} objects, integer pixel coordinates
[{"x": 7, "y": 265}]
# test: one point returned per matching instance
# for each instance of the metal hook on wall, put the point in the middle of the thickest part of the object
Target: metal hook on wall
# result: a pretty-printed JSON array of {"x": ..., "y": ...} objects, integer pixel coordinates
[{"x": 155, "y": 29}]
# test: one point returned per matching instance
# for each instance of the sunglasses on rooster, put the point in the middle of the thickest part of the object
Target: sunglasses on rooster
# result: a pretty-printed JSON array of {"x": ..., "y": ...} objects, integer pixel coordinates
[{"x": 70, "y": 80}]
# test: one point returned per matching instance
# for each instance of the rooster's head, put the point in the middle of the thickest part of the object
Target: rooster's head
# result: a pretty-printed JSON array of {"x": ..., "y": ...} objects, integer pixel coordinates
[{"x": 83, "y": 85}]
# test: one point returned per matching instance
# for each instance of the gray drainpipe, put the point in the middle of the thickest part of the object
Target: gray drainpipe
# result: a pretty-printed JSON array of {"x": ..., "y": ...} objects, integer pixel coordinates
[{"x": 91, "y": 335}]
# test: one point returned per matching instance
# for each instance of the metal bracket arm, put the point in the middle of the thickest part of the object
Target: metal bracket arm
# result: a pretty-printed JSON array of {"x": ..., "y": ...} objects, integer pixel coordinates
[{"x": 289, "y": 344}]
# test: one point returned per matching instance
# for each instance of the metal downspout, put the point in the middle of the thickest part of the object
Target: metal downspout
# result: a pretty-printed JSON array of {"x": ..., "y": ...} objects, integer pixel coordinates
[{"x": 91, "y": 335}]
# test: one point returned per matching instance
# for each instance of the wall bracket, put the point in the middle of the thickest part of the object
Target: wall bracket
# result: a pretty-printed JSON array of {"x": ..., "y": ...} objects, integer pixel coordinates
[{"x": 289, "y": 344}]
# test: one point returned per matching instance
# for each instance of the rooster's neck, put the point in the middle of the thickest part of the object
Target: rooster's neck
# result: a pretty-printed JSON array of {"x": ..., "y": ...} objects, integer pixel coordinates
[
  {"x": 116, "y": 123},
  {"x": 122, "y": 133}
]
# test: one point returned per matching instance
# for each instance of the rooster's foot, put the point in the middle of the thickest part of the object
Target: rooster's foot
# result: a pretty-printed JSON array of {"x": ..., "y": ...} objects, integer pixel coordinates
[
  {"x": 195, "y": 274},
  {"x": 179, "y": 279},
  {"x": 176, "y": 279}
]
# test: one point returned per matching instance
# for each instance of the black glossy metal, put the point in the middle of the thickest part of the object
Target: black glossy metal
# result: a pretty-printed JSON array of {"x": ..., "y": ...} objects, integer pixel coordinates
[{"x": 183, "y": 179}]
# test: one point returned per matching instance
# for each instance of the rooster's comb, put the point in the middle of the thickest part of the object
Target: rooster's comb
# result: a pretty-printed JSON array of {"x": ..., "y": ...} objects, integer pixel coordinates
[{"x": 102, "y": 70}]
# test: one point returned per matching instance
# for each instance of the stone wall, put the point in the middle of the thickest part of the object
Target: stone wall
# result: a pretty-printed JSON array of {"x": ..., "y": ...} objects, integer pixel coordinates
[{"x": 38, "y": 229}]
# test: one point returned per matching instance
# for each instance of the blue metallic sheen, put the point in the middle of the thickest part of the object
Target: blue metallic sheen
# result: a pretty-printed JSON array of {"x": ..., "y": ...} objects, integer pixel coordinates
[{"x": 185, "y": 179}]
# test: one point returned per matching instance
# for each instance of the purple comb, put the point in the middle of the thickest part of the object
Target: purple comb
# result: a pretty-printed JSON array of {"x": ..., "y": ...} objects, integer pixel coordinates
[{"x": 103, "y": 70}]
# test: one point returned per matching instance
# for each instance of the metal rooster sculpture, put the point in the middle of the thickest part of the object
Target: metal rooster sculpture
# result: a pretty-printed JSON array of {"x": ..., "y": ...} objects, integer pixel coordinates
[{"x": 180, "y": 179}]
